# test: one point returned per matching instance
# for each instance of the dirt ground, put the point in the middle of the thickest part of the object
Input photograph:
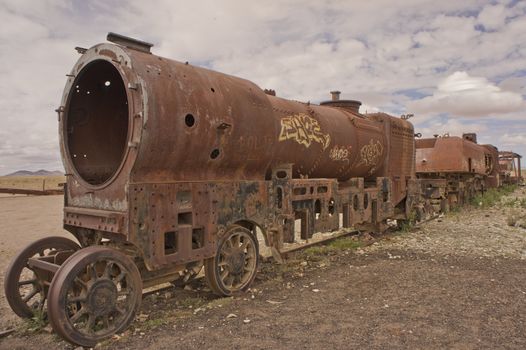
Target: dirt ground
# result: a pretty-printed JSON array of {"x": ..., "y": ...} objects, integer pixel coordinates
[{"x": 457, "y": 282}]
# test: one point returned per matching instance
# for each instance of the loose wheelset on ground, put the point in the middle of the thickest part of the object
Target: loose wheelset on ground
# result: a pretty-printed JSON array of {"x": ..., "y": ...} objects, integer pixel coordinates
[
  {"x": 94, "y": 295},
  {"x": 25, "y": 286},
  {"x": 235, "y": 265}
]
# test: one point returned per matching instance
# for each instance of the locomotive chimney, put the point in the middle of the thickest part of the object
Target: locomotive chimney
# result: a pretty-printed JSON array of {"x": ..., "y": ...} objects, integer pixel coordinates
[
  {"x": 335, "y": 95},
  {"x": 470, "y": 137}
]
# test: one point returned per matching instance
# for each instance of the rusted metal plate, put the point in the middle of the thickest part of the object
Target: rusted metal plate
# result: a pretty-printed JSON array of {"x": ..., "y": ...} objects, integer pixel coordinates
[
  {"x": 453, "y": 155},
  {"x": 434, "y": 188},
  {"x": 101, "y": 220},
  {"x": 171, "y": 222},
  {"x": 175, "y": 223},
  {"x": 452, "y": 170}
]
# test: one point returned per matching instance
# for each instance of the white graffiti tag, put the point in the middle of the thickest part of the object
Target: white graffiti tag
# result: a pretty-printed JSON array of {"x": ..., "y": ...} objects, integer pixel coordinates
[{"x": 340, "y": 153}]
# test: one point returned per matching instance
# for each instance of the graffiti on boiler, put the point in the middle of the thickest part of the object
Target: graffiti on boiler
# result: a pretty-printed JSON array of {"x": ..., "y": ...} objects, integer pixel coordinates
[{"x": 304, "y": 130}]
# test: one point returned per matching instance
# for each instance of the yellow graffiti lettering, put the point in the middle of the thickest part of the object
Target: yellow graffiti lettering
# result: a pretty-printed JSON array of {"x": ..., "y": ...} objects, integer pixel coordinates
[
  {"x": 304, "y": 130},
  {"x": 371, "y": 153}
]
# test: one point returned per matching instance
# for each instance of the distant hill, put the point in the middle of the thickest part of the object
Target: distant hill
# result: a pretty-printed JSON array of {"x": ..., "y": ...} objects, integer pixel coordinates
[{"x": 40, "y": 172}]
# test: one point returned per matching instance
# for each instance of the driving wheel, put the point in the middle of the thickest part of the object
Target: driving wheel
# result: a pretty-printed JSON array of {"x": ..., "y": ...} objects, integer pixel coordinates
[
  {"x": 235, "y": 265},
  {"x": 95, "y": 294}
]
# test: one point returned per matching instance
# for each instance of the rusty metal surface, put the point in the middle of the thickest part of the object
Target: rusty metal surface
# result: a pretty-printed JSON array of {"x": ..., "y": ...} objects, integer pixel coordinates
[
  {"x": 234, "y": 113},
  {"x": 81, "y": 193},
  {"x": 453, "y": 170},
  {"x": 174, "y": 222},
  {"x": 96, "y": 219},
  {"x": 451, "y": 154},
  {"x": 400, "y": 161}
]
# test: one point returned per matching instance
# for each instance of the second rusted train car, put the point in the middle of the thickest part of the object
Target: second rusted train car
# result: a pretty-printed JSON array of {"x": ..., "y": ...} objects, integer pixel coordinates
[{"x": 453, "y": 169}]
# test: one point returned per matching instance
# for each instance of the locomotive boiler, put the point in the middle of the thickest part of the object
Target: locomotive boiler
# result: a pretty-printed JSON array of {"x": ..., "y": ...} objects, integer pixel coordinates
[{"x": 172, "y": 167}]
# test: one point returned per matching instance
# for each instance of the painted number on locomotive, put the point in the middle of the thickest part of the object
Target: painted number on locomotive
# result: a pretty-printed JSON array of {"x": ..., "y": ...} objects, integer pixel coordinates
[{"x": 340, "y": 153}]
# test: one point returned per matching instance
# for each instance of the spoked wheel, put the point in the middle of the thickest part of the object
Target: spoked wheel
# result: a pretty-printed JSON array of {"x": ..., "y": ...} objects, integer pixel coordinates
[
  {"x": 94, "y": 295},
  {"x": 235, "y": 264},
  {"x": 25, "y": 290}
]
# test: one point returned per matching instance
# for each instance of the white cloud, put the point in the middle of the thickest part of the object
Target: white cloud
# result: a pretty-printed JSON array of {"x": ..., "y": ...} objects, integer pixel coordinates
[
  {"x": 463, "y": 95},
  {"x": 513, "y": 139},
  {"x": 365, "y": 108},
  {"x": 493, "y": 17},
  {"x": 453, "y": 127},
  {"x": 515, "y": 84},
  {"x": 385, "y": 53}
]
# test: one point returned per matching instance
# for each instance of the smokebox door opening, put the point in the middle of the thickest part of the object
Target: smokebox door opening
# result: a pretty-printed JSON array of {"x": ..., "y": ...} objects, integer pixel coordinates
[{"x": 97, "y": 122}]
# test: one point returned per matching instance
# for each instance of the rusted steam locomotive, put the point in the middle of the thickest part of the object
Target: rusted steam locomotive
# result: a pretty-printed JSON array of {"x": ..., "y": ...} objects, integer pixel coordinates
[
  {"x": 453, "y": 169},
  {"x": 172, "y": 167}
]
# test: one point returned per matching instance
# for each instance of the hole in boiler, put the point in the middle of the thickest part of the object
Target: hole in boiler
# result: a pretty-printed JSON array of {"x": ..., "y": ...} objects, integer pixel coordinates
[
  {"x": 189, "y": 120},
  {"x": 215, "y": 153}
]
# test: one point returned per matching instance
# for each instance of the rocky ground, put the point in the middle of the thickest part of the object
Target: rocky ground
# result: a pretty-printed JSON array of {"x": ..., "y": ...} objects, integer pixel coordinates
[{"x": 455, "y": 282}]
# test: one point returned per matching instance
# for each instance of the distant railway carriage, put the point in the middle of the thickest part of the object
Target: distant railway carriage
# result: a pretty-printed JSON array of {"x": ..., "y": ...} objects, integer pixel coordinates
[
  {"x": 510, "y": 167},
  {"x": 453, "y": 169}
]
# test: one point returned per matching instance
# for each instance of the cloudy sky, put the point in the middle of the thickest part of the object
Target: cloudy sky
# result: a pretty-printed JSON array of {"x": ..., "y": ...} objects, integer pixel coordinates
[{"x": 458, "y": 66}]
